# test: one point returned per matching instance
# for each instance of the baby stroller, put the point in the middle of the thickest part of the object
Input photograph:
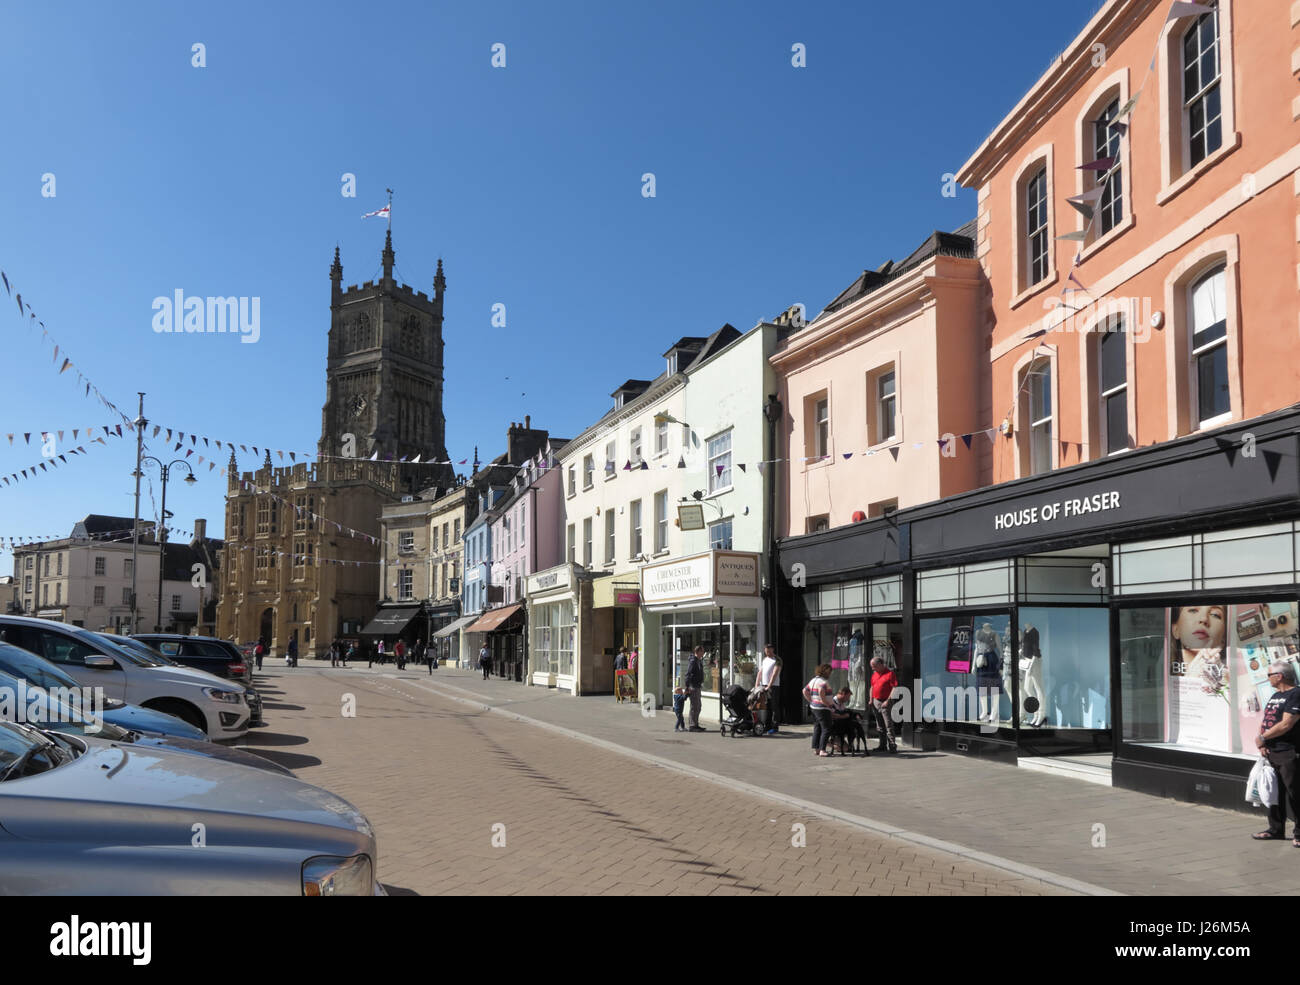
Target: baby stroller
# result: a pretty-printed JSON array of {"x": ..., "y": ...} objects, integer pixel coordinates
[{"x": 740, "y": 716}]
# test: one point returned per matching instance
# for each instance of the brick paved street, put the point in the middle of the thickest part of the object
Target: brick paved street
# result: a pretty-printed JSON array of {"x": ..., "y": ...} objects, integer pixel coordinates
[{"x": 435, "y": 776}]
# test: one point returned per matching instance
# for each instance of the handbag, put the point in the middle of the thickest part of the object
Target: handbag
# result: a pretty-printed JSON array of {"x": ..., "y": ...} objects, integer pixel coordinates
[{"x": 981, "y": 661}]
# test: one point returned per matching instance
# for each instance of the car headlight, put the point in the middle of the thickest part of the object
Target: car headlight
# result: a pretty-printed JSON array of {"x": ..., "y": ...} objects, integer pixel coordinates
[
  {"x": 332, "y": 875},
  {"x": 217, "y": 694}
]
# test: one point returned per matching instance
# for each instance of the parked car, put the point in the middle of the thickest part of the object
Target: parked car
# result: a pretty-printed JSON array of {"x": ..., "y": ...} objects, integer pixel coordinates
[
  {"x": 216, "y": 656},
  {"x": 58, "y": 716},
  {"x": 88, "y": 816},
  {"x": 38, "y": 671},
  {"x": 156, "y": 652},
  {"x": 218, "y": 707}
]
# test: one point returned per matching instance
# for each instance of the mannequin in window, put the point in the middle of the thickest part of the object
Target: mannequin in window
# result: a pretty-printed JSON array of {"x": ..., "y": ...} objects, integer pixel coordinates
[
  {"x": 988, "y": 672},
  {"x": 1031, "y": 669},
  {"x": 857, "y": 671}
]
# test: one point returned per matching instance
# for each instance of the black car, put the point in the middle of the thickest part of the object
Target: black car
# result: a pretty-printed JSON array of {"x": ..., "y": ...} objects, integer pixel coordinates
[{"x": 206, "y": 653}]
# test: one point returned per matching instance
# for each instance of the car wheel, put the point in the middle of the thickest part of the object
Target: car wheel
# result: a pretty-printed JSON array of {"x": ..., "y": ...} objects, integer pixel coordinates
[{"x": 187, "y": 713}]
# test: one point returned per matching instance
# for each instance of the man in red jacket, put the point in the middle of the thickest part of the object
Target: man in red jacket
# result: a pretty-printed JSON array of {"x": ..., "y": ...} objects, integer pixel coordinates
[{"x": 883, "y": 682}]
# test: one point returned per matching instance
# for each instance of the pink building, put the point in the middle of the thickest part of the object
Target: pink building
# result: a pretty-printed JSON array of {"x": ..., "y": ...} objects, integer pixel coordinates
[{"x": 892, "y": 363}]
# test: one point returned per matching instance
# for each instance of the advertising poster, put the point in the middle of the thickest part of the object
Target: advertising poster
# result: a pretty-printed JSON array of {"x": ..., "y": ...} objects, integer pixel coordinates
[
  {"x": 1200, "y": 697},
  {"x": 1263, "y": 633},
  {"x": 959, "y": 645}
]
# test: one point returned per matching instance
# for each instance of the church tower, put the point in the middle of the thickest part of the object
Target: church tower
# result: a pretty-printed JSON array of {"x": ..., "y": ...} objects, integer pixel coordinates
[{"x": 384, "y": 370}]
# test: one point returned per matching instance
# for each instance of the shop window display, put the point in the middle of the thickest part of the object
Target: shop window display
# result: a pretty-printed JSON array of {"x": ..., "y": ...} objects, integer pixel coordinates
[
  {"x": 1196, "y": 676},
  {"x": 1063, "y": 668},
  {"x": 965, "y": 656}
]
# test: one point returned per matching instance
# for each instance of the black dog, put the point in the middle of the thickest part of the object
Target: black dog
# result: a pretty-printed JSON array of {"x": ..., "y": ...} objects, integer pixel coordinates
[{"x": 850, "y": 733}]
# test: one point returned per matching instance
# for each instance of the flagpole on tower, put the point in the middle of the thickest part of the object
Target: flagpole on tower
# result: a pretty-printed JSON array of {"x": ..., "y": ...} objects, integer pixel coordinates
[{"x": 390, "y": 209}]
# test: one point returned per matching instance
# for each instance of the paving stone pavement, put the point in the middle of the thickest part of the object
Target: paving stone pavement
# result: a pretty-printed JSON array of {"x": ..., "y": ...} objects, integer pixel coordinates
[
  {"x": 467, "y": 801},
  {"x": 1021, "y": 820}
]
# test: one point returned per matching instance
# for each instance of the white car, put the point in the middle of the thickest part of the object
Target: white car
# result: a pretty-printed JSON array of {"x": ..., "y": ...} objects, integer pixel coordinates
[{"x": 216, "y": 706}]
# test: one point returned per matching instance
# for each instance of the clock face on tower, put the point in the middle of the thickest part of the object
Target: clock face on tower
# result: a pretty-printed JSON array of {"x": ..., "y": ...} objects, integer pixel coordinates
[{"x": 357, "y": 405}]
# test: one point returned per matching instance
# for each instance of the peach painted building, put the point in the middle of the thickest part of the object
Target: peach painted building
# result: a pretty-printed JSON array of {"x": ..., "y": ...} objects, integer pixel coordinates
[
  {"x": 1185, "y": 274},
  {"x": 872, "y": 383}
]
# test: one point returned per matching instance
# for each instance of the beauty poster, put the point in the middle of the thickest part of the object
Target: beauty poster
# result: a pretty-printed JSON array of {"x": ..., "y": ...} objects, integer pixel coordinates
[
  {"x": 1263, "y": 632},
  {"x": 1200, "y": 693},
  {"x": 959, "y": 644}
]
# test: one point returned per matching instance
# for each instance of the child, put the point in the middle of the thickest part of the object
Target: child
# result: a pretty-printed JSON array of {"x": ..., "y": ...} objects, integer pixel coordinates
[{"x": 679, "y": 706}]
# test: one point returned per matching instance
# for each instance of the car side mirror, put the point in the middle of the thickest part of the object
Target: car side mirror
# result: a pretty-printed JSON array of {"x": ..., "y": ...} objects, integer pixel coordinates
[{"x": 99, "y": 662}]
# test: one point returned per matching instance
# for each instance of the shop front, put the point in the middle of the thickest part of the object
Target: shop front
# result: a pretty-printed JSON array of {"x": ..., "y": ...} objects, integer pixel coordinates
[
  {"x": 710, "y": 600},
  {"x": 1125, "y": 609},
  {"x": 616, "y": 623},
  {"x": 847, "y": 624},
  {"x": 447, "y": 640},
  {"x": 560, "y": 629},
  {"x": 1119, "y": 614},
  {"x": 502, "y": 630}
]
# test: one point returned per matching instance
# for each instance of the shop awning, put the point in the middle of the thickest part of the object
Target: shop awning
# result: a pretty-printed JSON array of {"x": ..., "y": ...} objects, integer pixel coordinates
[
  {"x": 495, "y": 619},
  {"x": 390, "y": 622},
  {"x": 452, "y": 627}
]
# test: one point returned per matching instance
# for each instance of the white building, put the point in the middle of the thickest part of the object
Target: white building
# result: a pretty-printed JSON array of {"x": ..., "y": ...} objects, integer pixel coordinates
[{"x": 676, "y": 441}]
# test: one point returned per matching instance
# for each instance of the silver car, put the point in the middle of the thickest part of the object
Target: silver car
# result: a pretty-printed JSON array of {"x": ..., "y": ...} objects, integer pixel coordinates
[{"x": 85, "y": 816}]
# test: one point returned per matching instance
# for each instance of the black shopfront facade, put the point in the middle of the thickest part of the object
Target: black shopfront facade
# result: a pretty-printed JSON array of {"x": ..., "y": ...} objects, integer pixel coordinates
[{"x": 1125, "y": 610}]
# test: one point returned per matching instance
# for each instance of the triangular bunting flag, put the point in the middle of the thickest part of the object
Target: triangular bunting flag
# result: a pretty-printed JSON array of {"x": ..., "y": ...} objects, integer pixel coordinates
[
  {"x": 966, "y": 438},
  {"x": 1127, "y": 108},
  {"x": 847, "y": 455},
  {"x": 1272, "y": 459},
  {"x": 1229, "y": 449},
  {"x": 1078, "y": 236},
  {"x": 741, "y": 466},
  {"x": 894, "y": 451},
  {"x": 757, "y": 465}
]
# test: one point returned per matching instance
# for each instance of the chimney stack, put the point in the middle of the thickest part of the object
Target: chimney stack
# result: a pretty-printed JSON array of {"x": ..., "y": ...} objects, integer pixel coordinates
[
  {"x": 200, "y": 530},
  {"x": 528, "y": 422}
]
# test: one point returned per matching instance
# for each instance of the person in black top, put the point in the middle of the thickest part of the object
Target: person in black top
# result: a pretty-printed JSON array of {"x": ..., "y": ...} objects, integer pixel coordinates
[
  {"x": 694, "y": 682},
  {"x": 1277, "y": 742}
]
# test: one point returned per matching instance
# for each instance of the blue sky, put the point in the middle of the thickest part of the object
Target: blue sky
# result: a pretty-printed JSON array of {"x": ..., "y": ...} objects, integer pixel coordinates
[{"x": 774, "y": 185}]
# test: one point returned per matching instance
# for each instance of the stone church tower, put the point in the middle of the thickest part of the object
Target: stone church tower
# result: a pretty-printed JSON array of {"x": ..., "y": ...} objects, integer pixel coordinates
[
  {"x": 303, "y": 553},
  {"x": 383, "y": 374}
]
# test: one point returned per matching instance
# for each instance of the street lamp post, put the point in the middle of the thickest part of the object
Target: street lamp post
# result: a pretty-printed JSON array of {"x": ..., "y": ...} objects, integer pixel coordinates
[{"x": 162, "y": 521}]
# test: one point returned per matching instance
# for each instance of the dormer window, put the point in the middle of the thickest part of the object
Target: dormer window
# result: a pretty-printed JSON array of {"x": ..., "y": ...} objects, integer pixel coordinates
[
  {"x": 618, "y": 400},
  {"x": 672, "y": 362}
]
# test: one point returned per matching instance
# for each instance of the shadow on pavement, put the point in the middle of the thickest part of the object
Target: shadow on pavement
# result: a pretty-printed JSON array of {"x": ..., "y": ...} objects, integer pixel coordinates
[
  {"x": 280, "y": 706},
  {"x": 278, "y": 739},
  {"x": 289, "y": 760},
  {"x": 398, "y": 890}
]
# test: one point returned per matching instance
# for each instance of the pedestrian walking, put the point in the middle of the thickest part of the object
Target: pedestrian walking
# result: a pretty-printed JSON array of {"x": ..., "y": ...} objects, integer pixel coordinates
[
  {"x": 485, "y": 662},
  {"x": 679, "y": 706},
  {"x": 1276, "y": 742},
  {"x": 380, "y": 654},
  {"x": 291, "y": 652},
  {"x": 769, "y": 680},
  {"x": 399, "y": 655},
  {"x": 334, "y": 653},
  {"x": 259, "y": 652},
  {"x": 883, "y": 682},
  {"x": 817, "y": 692},
  {"x": 693, "y": 683},
  {"x": 350, "y": 653}
]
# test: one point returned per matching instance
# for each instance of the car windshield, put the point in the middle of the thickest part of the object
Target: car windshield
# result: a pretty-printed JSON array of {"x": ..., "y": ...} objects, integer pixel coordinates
[
  {"x": 24, "y": 751},
  {"x": 140, "y": 649},
  {"x": 29, "y": 700},
  {"x": 33, "y": 669},
  {"x": 114, "y": 648}
]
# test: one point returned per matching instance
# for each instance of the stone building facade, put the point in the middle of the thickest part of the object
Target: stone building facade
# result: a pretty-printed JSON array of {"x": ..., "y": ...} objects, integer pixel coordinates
[{"x": 303, "y": 542}]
